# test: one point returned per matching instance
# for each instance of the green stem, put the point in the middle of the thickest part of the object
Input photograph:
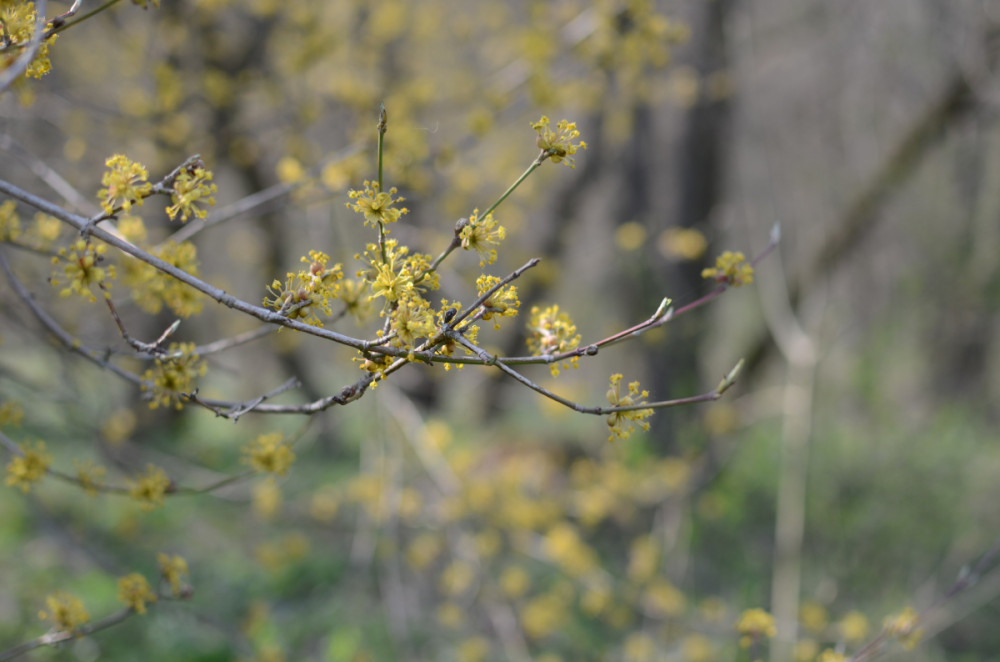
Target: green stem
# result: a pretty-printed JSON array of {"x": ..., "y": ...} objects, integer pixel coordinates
[
  {"x": 382, "y": 127},
  {"x": 83, "y": 18},
  {"x": 451, "y": 247},
  {"x": 534, "y": 164}
]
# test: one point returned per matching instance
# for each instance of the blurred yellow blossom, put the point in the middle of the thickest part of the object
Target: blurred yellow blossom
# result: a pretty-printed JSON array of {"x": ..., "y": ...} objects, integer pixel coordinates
[
  {"x": 755, "y": 624},
  {"x": 23, "y": 470},
  {"x": 269, "y": 453},
  {"x": 731, "y": 268},
  {"x": 126, "y": 183},
  {"x": 135, "y": 592},
  {"x": 66, "y": 612},
  {"x": 150, "y": 489},
  {"x": 172, "y": 568}
]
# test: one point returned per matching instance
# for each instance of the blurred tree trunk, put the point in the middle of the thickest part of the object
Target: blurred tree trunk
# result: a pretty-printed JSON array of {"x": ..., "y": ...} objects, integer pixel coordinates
[{"x": 699, "y": 189}]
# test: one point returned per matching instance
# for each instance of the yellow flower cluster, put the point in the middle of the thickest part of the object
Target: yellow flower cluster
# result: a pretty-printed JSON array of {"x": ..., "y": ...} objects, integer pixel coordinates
[
  {"x": 269, "y": 453},
  {"x": 307, "y": 292},
  {"x": 90, "y": 476},
  {"x": 557, "y": 145},
  {"x": 66, "y": 612},
  {"x": 126, "y": 184},
  {"x": 191, "y": 188},
  {"x": 904, "y": 626},
  {"x": 552, "y": 332},
  {"x": 378, "y": 207},
  {"x": 150, "y": 489},
  {"x": 151, "y": 288},
  {"x": 23, "y": 470},
  {"x": 753, "y": 625},
  {"x": 134, "y": 591},
  {"x": 502, "y": 303},
  {"x": 731, "y": 268},
  {"x": 172, "y": 568},
  {"x": 412, "y": 319},
  {"x": 482, "y": 235},
  {"x": 10, "y": 222},
  {"x": 82, "y": 269},
  {"x": 17, "y": 26},
  {"x": 621, "y": 423},
  {"x": 173, "y": 376},
  {"x": 11, "y": 413}
]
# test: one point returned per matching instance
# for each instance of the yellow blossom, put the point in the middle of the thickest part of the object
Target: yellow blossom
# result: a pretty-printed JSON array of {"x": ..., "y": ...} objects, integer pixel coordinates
[
  {"x": 731, "y": 268},
  {"x": 23, "y": 470},
  {"x": 17, "y": 29},
  {"x": 91, "y": 476},
  {"x": 456, "y": 578},
  {"x": 544, "y": 615},
  {"x": 150, "y": 489},
  {"x": 904, "y": 626},
  {"x": 82, "y": 269},
  {"x": 269, "y": 453},
  {"x": 151, "y": 288},
  {"x": 854, "y": 627},
  {"x": 66, "y": 612},
  {"x": 830, "y": 655},
  {"x": 10, "y": 223},
  {"x": 126, "y": 183},
  {"x": 552, "y": 332},
  {"x": 11, "y": 413},
  {"x": 191, "y": 187},
  {"x": 482, "y": 235},
  {"x": 753, "y": 625},
  {"x": 515, "y": 581},
  {"x": 375, "y": 205},
  {"x": 558, "y": 145},
  {"x": 621, "y": 422},
  {"x": 502, "y": 303},
  {"x": 412, "y": 319},
  {"x": 172, "y": 568},
  {"x": 135, "y": 592},
  {"x": 423, "y": 550},
  {"x": 173, "y": 376}
]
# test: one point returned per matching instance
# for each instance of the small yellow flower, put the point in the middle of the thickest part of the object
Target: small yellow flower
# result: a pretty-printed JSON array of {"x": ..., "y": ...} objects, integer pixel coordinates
[
  {"x": 83, "y": 269},
  {"x": 66, "y": 611},
  {"x": 552, "y": 332},
  {"x": 191, "y": 188},
  {"x": 622, "y": 422},
  {"x": 29, "y": 468},
  {"x": 135, "y": 592},
  {"x": 173, "y": 376},
  {"x": 10, "y": 223},
  {"x": 375, "y": 205},
  {"x": 482, "y": 235},
  {"x": 91, "y": 476},
  {"x": 854, "y": 627},
  {"x": 502, "y": 303},
  {"x": 412, "y": 319},
  {"x": 830, "y": 655},
  {"x": 558, "y": 145},
  {"x": 309, "y": 291},
  {"x": 269, "y": 453},
  {"x": 11, "y": 413},
  {"x": 754, "y": 624},
  {"x": 150, "y": 489},
  {"x": 731, "y": 268},
  {"x": 904, "y": 626},
  {"x": 172, "y": 568},
  {"x": 126, "y": 183}
]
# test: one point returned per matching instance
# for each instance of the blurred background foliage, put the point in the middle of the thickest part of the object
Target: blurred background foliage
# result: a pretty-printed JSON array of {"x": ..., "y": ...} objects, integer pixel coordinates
[{"x": 450, "y": 515}]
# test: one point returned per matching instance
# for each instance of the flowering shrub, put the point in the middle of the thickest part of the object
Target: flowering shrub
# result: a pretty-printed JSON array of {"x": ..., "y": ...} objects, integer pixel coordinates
[{"x": 513, "y": 548}]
